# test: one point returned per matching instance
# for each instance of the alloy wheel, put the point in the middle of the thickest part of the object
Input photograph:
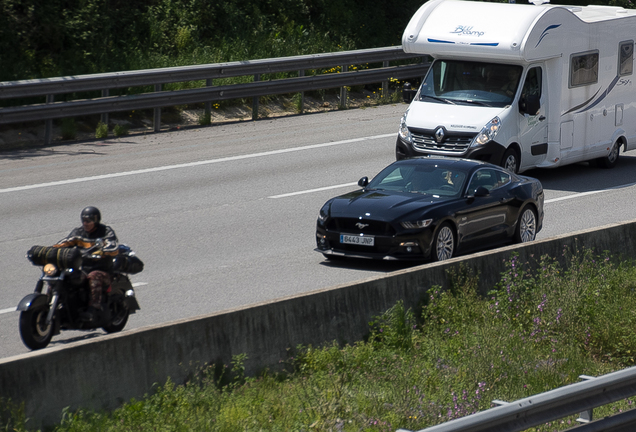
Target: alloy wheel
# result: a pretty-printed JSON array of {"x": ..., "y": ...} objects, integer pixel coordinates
[
  {"x": 445, "y": 244},
  {"x": 528, "y": 228}
]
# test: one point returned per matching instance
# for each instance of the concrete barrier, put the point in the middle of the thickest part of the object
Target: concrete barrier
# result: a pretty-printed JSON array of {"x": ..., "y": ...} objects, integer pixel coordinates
[{"x": 105, "y": 372}]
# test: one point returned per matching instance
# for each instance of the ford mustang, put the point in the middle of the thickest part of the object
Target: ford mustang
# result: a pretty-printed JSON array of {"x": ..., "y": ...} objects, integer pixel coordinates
[{"x": 431, "y": 208}]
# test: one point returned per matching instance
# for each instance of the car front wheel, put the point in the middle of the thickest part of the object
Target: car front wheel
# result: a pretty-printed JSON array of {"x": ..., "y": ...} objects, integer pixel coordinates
[
  {"x": 511, "y": 160},
  {"x": 444, "y": 243},
  {"x": 526, "y": 226}
]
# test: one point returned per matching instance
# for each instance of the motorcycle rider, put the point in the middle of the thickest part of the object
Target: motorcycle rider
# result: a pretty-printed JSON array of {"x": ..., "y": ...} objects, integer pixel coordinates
[{"x": 99, "y": 271}]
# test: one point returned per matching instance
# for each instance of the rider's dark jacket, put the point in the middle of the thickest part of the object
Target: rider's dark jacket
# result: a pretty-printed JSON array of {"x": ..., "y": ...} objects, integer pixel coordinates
[{"x": 81, "y": 238}]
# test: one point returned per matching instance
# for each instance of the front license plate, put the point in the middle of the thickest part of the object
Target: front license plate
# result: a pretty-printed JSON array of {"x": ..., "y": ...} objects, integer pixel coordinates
[{"x": 357, "y": 240}]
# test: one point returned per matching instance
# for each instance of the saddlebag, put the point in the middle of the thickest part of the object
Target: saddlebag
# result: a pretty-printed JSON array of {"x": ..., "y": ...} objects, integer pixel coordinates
[
  {"x": 127, "y": 262},
  {"x": 65, "y": 257},
  {"x": 130, "y": 264}
]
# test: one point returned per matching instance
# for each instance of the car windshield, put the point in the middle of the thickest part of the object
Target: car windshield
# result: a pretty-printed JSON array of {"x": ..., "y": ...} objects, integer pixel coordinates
[
  {"x": 470, "y": 82},
  {"x": 427, "y": 179}
]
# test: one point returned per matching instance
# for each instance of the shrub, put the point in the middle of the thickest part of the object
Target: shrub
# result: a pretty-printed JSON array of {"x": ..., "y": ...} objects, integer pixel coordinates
[
  {"x": 120, "y": 130},
  {"x": 101, "y": 131},
  {"x": 69, "y": 129}
]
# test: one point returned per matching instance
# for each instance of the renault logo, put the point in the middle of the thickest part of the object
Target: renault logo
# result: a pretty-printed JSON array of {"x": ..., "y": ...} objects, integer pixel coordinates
[
  {"x": 360, "y": 225},
  {"x": 439, "y": 134}
]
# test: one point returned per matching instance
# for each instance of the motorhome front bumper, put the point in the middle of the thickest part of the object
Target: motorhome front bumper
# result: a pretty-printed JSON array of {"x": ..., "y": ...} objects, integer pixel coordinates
[{"x": 490, "y": 152}]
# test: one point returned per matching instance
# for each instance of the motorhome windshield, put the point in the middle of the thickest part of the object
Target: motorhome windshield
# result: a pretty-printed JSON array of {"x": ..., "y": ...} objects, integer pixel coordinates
[{"x": 468, "y": 82}]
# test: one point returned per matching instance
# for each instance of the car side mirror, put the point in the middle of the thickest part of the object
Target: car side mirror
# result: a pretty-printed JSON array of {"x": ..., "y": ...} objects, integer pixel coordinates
[
  {"x": 363, "y": 182},
  {"x": 482, "y": 192}
]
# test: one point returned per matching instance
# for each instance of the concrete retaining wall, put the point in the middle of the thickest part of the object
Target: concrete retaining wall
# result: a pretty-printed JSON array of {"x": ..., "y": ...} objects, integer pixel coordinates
[{"x": 107, "y": 371}]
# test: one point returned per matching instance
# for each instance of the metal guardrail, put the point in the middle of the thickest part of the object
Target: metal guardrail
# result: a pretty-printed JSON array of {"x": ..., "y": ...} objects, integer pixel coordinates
[
  {"x": 574, "y": 399},
  {"x": 50, "y": 87}
]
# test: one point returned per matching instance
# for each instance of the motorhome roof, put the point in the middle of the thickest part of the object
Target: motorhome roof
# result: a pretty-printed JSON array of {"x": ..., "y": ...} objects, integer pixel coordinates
[
  {"x": 501, "y": 31},
  {"x": 595, "y": 13}
]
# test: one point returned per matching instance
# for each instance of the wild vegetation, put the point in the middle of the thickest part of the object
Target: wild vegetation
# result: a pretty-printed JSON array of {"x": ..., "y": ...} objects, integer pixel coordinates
[
  {"x": 542, "y": 326},
  {"x": 40, "y": 39}
]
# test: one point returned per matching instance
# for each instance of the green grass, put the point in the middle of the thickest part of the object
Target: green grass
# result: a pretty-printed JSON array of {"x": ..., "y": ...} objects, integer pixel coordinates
[{"x": 541, "y": 327}]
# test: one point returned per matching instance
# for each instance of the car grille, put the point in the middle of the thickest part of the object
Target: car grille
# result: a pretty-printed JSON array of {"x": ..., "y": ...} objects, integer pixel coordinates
[
  {"x": 456, "y": 142},
  {"x": 348, "y": 226}
]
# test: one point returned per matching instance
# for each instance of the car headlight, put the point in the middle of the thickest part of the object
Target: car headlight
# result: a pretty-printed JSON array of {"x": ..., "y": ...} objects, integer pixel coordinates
[
  {"x": 416, "y": 224},
  {"x": 404, "y": 132},
  {"x": 488, "y": 132},
  {"x": 322, "y": 215}
]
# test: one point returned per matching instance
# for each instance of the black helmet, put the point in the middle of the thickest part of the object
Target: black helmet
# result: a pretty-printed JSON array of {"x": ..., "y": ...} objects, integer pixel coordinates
[{"x": 92, "y": 214}]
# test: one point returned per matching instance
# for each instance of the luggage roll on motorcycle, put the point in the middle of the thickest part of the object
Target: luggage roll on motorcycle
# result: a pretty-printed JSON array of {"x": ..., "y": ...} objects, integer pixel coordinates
[{"x": 61, "y": 294}]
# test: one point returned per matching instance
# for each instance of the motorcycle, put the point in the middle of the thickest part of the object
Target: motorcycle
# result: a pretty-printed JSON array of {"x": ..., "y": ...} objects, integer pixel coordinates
[{"x": 62, "y": 293}]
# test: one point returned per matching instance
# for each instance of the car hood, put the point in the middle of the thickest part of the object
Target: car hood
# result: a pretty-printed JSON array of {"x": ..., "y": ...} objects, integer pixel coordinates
[
  {"x": 456, "y": 118},
  {"x": 382, "y": 205}
]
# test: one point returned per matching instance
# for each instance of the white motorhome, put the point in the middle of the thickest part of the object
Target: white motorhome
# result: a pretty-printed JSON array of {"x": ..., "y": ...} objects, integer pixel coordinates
[{"x": 522, "y": 86}]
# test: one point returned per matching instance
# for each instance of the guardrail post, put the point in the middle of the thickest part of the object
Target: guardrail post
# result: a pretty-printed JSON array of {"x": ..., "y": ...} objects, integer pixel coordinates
[
  {"x": 208, "y": 104},
  {"x": 585, "y": 416},
  {"x": 301, "y": 108},
  {"x": 157, "y": 112},
  {"x": 105, "y": 93},
  {"x": 385, "y": 84},
  {"x": 257, "y": 77},
  {"x": 48, "y": 129},
  {"x": 343, "y": 91}
]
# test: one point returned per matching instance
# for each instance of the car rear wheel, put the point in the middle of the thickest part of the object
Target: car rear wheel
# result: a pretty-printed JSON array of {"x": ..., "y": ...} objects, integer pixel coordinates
[
  {"x": 444, "y": 243},
  {"x": 526, "y": 226}
]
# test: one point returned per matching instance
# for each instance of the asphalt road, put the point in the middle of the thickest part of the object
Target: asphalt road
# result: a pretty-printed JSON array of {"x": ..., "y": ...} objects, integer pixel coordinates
[{"x": 224, "y": 216}]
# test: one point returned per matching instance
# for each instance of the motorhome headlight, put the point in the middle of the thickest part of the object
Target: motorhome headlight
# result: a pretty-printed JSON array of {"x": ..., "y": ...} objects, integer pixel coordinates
[
  {"x": 488, "y": 132},
  {"x": 50, "y": 269},
  {"x": 404, "y": 132}
]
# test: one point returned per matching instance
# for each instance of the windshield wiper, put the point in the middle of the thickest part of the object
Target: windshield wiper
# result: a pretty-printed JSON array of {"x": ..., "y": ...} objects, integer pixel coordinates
[
  {"x": 474, "y": 102},
  {"x": 448, "y": 101}
]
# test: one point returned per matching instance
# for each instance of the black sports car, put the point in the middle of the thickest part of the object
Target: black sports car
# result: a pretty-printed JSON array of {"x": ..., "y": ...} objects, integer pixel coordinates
[{"x": 431, "y": 208}]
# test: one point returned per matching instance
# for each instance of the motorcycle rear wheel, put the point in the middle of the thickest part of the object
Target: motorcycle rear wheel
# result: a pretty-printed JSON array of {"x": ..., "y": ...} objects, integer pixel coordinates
[
  {"x": 119, "y": 317},
  {"x": 34, "y": 332}
]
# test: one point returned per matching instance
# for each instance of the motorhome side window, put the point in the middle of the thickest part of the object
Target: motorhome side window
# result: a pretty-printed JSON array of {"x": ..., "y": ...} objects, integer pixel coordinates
[
  {"x": 584, "y": 69},
  {"x": 626, "y": 58}
]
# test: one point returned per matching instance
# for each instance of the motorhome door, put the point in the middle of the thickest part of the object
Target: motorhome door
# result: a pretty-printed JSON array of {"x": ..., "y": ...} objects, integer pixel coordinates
[{"x": 533, "y": 124}]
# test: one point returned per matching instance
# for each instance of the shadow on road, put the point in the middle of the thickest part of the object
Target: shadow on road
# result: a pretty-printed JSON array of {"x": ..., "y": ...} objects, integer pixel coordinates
[{"x": 583, "y": 177}]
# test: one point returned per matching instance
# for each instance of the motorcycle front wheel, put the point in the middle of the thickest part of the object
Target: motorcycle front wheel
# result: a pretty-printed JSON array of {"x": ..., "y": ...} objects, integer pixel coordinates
[
  {"x": 119, "y": 317},
  {"x": 34, "y": 331}
]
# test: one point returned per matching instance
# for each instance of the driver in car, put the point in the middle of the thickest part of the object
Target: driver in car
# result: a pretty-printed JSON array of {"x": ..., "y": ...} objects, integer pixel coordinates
[{"x": 99, "y": 276}]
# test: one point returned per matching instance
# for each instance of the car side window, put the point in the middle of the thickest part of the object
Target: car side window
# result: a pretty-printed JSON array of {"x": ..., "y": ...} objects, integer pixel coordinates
[
  {"x": 484, "y": 177},
  {"x": 503, "y": 178}
]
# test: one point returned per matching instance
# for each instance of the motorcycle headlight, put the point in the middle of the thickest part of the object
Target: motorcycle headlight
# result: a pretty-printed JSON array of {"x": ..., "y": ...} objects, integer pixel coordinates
[
  {"x": 404, "y": 132},
  {"x": 488, "y": 132},
  {"x": 50, "y": 269},
  {"x": 416, "y": 224}
]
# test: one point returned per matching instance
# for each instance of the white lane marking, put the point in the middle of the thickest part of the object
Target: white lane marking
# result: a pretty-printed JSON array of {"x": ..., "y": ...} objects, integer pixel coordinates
[
  {"x": 191, "y": 164},
  {"x": 14, "y": 309},
  {"x": 582, "y": 194},
  {"x": 314, "y": 190}
]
